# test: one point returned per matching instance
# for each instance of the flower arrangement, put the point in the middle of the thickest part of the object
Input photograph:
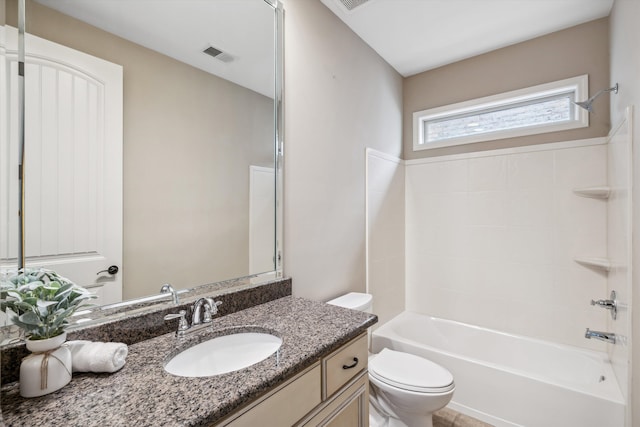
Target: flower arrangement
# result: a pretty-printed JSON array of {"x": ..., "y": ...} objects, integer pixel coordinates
[{"x": 40, "y": 301}]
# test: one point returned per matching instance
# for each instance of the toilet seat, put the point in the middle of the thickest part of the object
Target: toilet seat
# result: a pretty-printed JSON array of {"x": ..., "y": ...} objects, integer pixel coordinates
[{"x": 410, "y": 372}]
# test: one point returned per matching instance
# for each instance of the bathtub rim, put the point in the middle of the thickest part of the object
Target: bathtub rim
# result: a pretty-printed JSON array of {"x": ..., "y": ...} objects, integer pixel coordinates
[{"x": 613, "y": 394}]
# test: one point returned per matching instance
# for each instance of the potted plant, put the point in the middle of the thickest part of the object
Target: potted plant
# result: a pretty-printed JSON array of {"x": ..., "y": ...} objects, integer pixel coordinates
[{"x": 40, "y": 302}]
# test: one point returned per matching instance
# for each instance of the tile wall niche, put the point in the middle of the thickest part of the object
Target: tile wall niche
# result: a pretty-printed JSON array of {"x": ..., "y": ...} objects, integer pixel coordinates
[
  {"x": 491, "y": 239},
  {"x": 385, "y": 234}
]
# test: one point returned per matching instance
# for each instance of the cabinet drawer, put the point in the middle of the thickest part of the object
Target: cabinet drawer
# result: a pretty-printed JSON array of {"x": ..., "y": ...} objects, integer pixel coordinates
[
  {"x": 344, "y": 364},
  {"x": 286, "y": 405}
]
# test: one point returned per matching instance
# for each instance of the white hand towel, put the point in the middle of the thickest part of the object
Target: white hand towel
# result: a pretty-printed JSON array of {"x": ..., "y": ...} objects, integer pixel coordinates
[{"x": 87, "y": 356}]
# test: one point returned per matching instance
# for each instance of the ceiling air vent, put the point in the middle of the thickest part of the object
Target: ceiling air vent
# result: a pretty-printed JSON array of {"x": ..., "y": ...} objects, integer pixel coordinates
[
  {"x": 218, "y": 54},
  {"x": 352, "y": 4}
]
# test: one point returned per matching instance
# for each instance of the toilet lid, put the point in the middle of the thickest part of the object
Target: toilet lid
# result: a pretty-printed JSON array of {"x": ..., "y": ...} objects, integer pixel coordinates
[{"x": 410, "y": 372}]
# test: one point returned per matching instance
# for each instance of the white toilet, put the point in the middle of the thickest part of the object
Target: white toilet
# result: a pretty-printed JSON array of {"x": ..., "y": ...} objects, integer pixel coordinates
[{"x": 404, "y": 387}]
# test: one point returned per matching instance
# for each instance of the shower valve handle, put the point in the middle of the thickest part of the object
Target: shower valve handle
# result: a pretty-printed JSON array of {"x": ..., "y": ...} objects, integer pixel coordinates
[
  {"x": 609, "y": 304},
  {"x": 604, "y": 303}
]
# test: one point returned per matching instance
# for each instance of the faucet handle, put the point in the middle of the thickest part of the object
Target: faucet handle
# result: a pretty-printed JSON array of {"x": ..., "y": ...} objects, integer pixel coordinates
[
  {"x": 210, "y": 309},
  {"x": 207, "y": 313},
  {"x": 182, "y": 324},
  {"x": 609, "y": 304},
  {"x": 214, "y": 306}
]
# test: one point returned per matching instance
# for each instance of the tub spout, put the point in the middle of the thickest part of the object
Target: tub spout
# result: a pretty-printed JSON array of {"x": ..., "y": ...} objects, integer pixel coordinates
[{"x": 609, "y": 337}]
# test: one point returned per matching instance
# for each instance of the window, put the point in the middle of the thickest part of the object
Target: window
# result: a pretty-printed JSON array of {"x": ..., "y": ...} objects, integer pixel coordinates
[{"x": 545, "y": 108}]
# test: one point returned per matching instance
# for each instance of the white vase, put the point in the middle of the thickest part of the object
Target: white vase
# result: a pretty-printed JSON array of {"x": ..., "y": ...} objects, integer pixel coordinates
[{"x": 39, "y": 376}]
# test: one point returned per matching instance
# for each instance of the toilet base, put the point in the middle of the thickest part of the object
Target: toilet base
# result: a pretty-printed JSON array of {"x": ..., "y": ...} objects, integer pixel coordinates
[
  {"x": 381, "y": 415},
  {"x": 414, "y": 409},
  {"x": 379, "y": 420},
  {"x": 416, "y": 421}
]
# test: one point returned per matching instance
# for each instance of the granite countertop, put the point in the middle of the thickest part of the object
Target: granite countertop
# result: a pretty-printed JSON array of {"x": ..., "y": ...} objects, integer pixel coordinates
[{"x": 143, "y": 394}]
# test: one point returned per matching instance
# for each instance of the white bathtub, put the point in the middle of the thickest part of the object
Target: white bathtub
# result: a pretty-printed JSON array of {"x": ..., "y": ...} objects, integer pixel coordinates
[{"x": 509, "y": 380}]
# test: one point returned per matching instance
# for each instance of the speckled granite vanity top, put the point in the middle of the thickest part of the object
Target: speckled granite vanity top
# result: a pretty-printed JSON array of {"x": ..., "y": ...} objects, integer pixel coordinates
[{"x": 143, "y": 394}]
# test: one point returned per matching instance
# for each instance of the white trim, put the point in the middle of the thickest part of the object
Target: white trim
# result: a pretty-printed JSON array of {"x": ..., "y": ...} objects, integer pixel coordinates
[
  {"x": 625, "y": 127},
  {"x": 384, "y": 156},
  {"x": 367, "y": 152},
  {"x": 514, "y": 150},
  {"x": 372, "y": 152},
  {"x": 578, "y": 85},
  {"x": 6, "y": 213},
  {"x": 482, "y": 416},
  {"x": 257, "y": 246}
]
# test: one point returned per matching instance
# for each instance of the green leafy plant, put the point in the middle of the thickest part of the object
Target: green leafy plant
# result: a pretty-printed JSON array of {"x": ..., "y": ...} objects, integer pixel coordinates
[{"x": 40, "y": 301}]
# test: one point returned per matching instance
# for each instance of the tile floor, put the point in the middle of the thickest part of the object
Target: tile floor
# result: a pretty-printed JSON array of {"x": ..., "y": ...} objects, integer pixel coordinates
[{"x": 449, "y": 418}]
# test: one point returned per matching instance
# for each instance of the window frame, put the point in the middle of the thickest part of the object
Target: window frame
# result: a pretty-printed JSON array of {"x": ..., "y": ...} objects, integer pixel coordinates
[{"x": 577, "y": 86}]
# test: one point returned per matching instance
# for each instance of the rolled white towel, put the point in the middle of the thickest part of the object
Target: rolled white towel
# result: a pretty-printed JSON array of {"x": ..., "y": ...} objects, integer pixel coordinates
[{"x": 87, "y": 356}]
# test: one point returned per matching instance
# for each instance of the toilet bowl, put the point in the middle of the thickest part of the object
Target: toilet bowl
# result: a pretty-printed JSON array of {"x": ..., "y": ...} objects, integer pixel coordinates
[
  {"x": 412, "y": 386},
  {"x": 406, "y": 388}
]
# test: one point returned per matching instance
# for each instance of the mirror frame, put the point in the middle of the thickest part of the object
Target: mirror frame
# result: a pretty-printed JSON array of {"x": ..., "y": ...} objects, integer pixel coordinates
[{"x": 161, "y": 301}]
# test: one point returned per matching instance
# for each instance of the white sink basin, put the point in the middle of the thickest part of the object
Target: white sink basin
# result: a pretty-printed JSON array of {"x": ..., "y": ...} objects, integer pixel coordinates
[{"x": 223, "y": 354}]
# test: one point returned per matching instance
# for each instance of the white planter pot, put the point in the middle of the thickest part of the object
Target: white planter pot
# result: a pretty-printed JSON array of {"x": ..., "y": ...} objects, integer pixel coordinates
[{"x": 38, "y": 376}]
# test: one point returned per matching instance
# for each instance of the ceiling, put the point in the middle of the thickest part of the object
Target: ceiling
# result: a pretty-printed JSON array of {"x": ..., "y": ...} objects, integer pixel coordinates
[
  {"x": 411, "y": 35},
  {"x": 418, "y": 35},
  {"x": 181, "y": 29}
]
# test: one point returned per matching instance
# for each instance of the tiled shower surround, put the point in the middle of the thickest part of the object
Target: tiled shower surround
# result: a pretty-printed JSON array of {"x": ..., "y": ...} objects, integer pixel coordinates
[{"x": 491, "y": 239}]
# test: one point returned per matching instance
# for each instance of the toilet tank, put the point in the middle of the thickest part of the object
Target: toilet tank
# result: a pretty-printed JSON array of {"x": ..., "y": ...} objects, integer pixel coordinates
[{"x": 354, "y": 300}]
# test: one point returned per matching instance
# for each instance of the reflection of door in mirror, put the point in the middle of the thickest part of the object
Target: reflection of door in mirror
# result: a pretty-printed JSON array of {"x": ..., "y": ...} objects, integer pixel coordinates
[
  {"x": 262, "y": 226},
  {"x": 73, "y": 165}
]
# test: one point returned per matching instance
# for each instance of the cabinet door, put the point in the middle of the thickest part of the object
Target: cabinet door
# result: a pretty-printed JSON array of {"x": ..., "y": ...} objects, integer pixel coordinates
[
  {"x": 349, "y": 415},
  {"x": 348, "y": 408},
  {"x": 285, "y": 406}
]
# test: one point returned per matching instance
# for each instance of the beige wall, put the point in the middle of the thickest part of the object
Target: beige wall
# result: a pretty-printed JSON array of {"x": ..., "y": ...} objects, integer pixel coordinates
[
  {"x": 625, "y": 70},
  {"x": 568, "y": 53},
  {"x": 186, "y": 185},
  {"x": 340, "y": 97}
]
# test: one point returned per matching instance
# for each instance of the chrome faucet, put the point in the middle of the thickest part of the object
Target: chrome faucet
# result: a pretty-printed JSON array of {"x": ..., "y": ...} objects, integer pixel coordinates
[
  {"x": 167, "y": 288},
  {"x": 211, "y": 309},
  {"x": 183, "y": 325},
  {"x": 198, "y": 319},
  {"x": 609, "y": 337},
  {"x": 610, "y": 304}
]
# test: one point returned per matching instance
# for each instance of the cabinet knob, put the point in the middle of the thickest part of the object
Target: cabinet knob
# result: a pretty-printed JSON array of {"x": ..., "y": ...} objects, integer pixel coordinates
[{"x": 353, "y": 365}]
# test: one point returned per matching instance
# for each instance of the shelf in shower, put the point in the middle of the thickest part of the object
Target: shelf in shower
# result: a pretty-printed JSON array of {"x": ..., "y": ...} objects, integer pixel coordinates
[
  {"x": 600, "y": 263},
  {"x": 601, "y": 192}
]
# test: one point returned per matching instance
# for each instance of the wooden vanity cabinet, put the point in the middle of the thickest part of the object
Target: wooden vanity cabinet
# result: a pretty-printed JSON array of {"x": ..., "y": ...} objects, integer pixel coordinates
[
  {"x": 333, "y": 392},
  {"x": 349, "y": 407}
]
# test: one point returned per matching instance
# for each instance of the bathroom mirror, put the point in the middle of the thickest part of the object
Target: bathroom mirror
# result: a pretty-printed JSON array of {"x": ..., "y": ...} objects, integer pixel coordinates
[{"x": 151, "y": 141}]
